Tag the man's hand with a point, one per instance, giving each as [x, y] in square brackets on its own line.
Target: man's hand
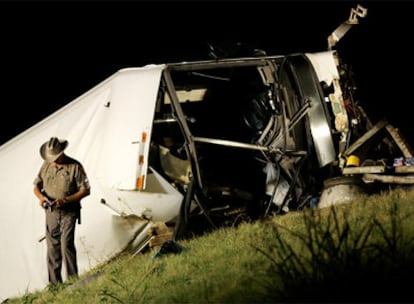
[59, 202]
[44, 199]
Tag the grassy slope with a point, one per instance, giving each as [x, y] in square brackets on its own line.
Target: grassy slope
[356, 252]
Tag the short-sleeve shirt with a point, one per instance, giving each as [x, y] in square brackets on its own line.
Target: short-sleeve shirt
[59, 182]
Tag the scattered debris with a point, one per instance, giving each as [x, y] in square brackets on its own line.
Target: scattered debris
[159, 233]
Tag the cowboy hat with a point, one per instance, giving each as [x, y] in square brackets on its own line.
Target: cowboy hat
[53, 148]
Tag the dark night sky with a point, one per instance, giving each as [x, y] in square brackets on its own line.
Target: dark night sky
[53, 51]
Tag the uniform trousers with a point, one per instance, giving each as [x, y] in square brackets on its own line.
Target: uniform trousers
[60, 237]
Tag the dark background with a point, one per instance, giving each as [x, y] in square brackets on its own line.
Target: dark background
[52, 52]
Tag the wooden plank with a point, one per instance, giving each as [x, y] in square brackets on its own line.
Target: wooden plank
[363, 170]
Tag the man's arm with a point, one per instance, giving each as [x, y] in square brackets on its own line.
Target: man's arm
[40, 196]
[77, 196]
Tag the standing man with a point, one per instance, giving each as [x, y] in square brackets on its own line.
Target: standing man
[60, 185]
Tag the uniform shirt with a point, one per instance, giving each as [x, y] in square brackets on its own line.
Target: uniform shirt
[60, 182]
